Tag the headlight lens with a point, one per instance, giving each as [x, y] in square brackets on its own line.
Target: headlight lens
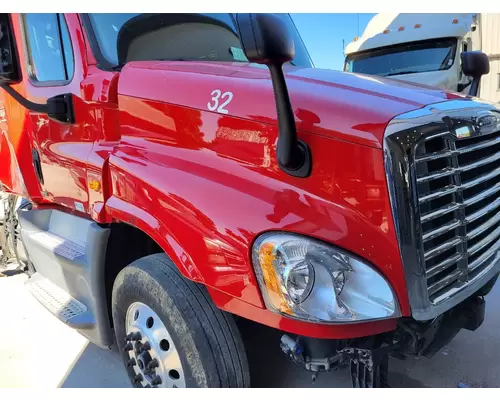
[309, 280]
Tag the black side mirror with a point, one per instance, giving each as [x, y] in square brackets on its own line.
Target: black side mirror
[9, 66]
[475, 64]
[59, 108]
[266, 40]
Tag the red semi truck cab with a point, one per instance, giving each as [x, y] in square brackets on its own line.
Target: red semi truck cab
[186, 172]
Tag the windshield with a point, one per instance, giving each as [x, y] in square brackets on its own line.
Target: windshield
[409, 58]
[185, 40]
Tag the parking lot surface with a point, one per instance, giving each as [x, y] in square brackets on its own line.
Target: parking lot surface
[39, 351]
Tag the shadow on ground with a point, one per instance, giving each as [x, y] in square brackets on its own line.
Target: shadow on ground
[471, 358]
[269, 367]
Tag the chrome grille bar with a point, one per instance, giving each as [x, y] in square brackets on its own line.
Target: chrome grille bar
[448, 153]
[484, 227]
[495, 235]
[443, 229]
[448, 206]
[436, 269]
[442, 248]
[481, 179]
[439, 193]
[439, 212]
[483, 211]
[443, 173]
[483, 195]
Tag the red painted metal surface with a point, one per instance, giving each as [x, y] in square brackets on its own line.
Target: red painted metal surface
[213, 186]
[63, 148]
[203, 184]
[266, 317]
[345, 106]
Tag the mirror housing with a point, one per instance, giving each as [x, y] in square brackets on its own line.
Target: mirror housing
[475, 64]
[266, 40]
[10, 71]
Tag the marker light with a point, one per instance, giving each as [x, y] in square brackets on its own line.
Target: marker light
[309, 280]
[401, 28]
[417, 26]
[455, 21]
[386, 31]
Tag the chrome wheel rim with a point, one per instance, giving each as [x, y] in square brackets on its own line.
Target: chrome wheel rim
[153, 357]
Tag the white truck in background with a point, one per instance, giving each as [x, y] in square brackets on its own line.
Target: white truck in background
[426, 48]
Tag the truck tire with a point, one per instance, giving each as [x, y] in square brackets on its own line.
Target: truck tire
[170, 333]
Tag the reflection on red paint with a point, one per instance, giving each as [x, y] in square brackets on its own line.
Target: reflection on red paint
[204, 185]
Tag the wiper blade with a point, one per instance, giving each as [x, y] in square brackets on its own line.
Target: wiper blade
[403, 73]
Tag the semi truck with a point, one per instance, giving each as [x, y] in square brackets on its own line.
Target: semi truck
[426, 48]
[185, 175]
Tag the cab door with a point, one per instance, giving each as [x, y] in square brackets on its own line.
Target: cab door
[54, 65]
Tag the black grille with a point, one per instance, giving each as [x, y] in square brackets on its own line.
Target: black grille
[458, 188]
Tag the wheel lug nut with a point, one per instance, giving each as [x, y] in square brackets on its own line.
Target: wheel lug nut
[128, 338]
[156, 380]
[153, 364]
[131, 362]
[136, 336]
[145, 347]
[128, 347]
[138, 378]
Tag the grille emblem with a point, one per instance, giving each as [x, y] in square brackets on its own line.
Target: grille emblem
[463, 132]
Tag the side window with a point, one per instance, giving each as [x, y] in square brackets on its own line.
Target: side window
[49, 47]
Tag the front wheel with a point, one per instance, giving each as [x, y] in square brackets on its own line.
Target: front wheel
[169, 331]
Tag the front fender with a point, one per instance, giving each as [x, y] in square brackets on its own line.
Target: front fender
[218, 265]
[120, 210]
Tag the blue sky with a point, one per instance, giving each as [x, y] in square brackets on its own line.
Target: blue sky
[323, 34]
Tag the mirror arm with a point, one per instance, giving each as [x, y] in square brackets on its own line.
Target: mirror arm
[474, 87]
[462, 86]
[294, 156]
[36, 107]
[59, 108]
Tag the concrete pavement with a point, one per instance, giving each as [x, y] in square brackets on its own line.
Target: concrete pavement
[39, 351]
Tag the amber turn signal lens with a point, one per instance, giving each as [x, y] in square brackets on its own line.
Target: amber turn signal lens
[267, 258]
[94, 185]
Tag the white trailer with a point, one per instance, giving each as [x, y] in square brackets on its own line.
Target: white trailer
[426, 48]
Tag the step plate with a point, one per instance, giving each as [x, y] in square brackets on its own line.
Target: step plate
[56, 300]
[63, 247]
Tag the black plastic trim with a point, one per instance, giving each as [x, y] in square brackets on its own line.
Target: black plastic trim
[305, 169]
[18, 76]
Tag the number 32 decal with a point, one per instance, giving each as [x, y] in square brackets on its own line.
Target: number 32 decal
[214, 104]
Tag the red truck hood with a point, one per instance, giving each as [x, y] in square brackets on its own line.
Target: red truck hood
[349, 107]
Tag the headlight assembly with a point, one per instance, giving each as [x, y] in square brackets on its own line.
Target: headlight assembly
[309, 280]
